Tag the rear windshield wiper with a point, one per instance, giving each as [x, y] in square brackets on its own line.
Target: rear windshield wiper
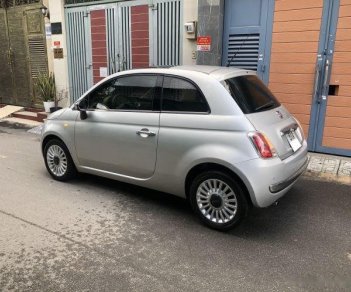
[265, 106]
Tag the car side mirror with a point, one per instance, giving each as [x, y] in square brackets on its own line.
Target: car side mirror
[83, 114]
[82, 107]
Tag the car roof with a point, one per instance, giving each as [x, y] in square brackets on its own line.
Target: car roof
[217, 72]
[207, 69]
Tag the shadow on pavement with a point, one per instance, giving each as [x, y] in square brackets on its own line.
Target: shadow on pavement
[266, 222]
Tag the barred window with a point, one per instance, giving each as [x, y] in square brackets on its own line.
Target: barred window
[11, 3]
[67, 2]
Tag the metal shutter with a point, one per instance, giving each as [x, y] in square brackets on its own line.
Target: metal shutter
[125, 57]
[77, 52]
[167, 33]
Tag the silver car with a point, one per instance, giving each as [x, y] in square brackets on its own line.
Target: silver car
[216, 136]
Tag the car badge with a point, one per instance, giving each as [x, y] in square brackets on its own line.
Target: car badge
[280, 115]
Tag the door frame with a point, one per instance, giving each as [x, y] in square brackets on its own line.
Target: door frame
[322, 79]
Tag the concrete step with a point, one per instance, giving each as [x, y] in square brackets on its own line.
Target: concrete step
[31, 115]
[42, 116]
[27, 115]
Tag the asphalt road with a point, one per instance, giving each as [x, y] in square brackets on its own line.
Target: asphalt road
[94, 234]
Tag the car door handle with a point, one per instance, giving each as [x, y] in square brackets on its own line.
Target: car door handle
[145, 133]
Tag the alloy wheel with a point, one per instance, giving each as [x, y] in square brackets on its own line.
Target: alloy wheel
[57, 160]
[216, 201]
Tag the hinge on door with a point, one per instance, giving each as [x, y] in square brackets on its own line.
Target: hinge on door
[86, 13]
[153, 6]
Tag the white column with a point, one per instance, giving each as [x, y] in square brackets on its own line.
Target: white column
[59, 66]
[190, 13]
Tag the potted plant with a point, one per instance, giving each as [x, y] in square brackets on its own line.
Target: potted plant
[46, 89]
[60, 95]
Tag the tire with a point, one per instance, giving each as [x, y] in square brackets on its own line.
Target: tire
[58, 161]
[218, 200]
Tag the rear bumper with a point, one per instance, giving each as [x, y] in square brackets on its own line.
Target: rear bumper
[275, 188]
[267, 180]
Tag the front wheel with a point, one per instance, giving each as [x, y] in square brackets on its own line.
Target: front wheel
[58, 161]
[218, 200]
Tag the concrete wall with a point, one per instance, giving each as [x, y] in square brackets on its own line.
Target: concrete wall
[58, 66]
[211, 15]
[48, 42]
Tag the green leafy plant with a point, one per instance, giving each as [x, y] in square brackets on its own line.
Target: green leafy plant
[46, 87]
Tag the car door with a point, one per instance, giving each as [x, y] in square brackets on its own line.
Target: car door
[120, 132]
[183, 125]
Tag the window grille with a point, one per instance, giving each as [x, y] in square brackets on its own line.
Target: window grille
[68, 2]
[11, 3]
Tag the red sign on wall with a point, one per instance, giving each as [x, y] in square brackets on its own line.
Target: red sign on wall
[57, 44]
[204, 43]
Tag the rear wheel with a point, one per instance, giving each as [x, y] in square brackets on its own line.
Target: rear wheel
[58, 161]
[218, 200]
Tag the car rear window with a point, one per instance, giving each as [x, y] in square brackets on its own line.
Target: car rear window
[251, 94]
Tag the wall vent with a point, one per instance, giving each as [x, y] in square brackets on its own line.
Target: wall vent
[245, 48]
[37, 56]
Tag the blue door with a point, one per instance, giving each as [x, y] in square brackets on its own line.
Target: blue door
[330, 116]
[247, 35]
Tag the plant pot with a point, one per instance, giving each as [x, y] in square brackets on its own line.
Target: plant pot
[55, 108]
[48, 105]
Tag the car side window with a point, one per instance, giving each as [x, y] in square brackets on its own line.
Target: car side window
[180, 95]
[125, 93]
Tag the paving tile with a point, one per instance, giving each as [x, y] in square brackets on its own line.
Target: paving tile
[331, 165]
[345, 168]
[315, 164]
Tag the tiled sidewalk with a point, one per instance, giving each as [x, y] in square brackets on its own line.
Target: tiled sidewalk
[329, 167]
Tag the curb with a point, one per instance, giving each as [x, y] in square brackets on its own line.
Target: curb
[329, 168]
[345, 180]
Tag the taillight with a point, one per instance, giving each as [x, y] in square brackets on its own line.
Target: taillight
[262, 145]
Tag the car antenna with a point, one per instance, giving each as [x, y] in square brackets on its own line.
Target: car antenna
[232, 58]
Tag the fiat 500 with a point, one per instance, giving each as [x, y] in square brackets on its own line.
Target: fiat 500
[216, 136]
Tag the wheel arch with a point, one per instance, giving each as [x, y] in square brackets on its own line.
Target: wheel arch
[48, 138]
[203, 167]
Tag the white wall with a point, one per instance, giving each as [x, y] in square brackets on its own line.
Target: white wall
[48, 42]
[59, 66]
[190, 13]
